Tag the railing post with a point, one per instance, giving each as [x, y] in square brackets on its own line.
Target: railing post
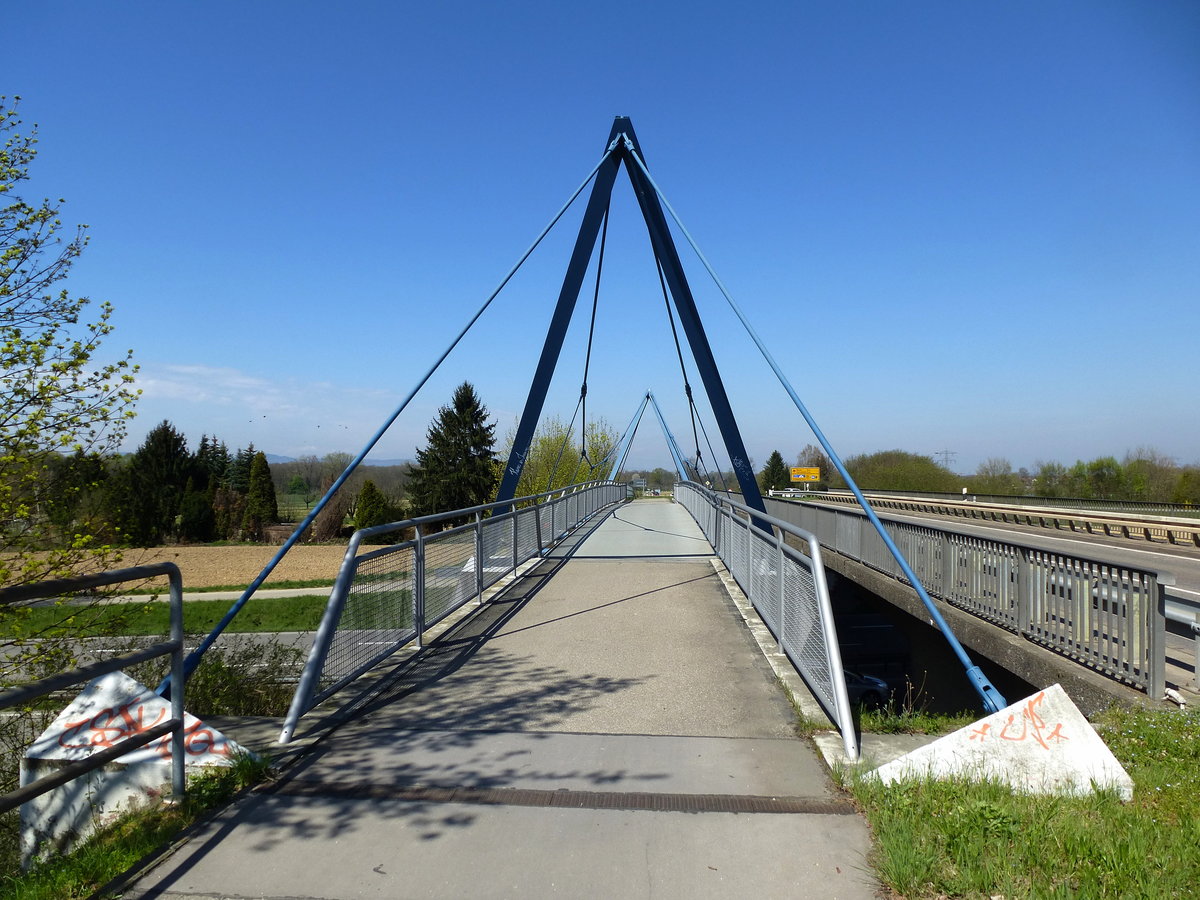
[537, 525]
[515, 539]
[1156, 628]
[178, 684]
[779, 580]
[479, 558]
[1025, 589]
[419, 587]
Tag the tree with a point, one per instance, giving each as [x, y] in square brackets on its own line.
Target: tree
[456, 469]
[158, 475]
[774, 475]
[1050, 480]
[261, 509]
[996, 476]
[555, 460]
[371, 507]
[813, 457]
[56, 396]
[896, 470]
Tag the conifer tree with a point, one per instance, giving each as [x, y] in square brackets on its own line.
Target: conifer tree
[456, 469]
[261, 508]
[775, 475]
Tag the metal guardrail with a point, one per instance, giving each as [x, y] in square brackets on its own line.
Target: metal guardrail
[1145, 507]
[173, 647]
[1161, 530]
[1108, 617]
[385, 598]
[787, 587]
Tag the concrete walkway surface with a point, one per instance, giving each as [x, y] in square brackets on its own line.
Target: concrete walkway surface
[606, 727]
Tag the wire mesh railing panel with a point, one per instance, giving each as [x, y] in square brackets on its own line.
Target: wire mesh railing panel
[449, 572]
[803, 637]
[527, 534]
[496, 539]
[379, 614]
[546, 523]
[764, 567]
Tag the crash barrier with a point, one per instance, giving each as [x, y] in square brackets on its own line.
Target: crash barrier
[1108, 617]
[786, 585]
[173, 647]
[385, 598]
[1158, 529]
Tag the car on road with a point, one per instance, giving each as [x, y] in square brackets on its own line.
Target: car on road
[866, 690]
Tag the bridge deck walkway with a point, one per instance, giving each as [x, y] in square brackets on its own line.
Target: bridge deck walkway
[604, 727]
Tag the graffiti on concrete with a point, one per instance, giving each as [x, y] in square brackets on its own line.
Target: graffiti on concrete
[1028, 726]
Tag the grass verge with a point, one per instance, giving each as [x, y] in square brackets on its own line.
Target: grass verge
[161, 591]
[981, 840]
[138, 618]
[117, 848]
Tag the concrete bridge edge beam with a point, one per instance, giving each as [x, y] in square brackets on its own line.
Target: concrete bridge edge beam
[1091, 691]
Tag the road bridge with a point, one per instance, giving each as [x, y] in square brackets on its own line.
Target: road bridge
[602, 725]
[1000, 546]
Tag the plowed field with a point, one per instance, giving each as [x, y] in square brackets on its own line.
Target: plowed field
[204, 566]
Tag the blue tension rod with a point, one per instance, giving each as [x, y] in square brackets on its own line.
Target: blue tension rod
[672, 445]
[193, 658]
[992, 699]
[627, 440]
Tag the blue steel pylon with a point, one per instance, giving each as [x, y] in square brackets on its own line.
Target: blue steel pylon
[622, 142]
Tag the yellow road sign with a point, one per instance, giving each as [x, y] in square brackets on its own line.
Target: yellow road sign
[803, 474]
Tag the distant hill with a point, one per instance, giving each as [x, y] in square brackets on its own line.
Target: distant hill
[276, 458]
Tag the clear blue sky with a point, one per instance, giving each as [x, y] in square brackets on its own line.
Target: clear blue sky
[963, 226]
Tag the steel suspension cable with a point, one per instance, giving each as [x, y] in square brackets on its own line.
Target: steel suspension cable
[193, 658]
[587, 362]
[563, 446]
[687, 387]
[992, 699]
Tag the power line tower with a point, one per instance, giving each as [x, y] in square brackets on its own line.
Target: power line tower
[946, 457]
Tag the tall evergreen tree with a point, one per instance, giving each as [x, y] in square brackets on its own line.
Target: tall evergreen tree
[775, 475]
[158, 474]
[456, 469]
[261, 508]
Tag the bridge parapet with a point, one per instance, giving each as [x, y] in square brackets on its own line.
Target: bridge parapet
[1108, 617]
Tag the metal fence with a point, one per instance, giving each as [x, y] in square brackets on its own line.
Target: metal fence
[173, 647]
[1106, 616]
[787, 587]
[385, 598]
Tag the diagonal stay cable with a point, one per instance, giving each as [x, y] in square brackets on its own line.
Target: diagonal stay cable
[993, 701]
[687, 387]
[194, 657]
[587, 362]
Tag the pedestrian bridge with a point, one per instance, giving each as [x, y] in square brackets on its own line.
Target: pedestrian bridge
[602, 724]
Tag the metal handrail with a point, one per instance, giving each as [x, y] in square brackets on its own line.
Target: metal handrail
[516, 510]
[832, 695]
[174, 647]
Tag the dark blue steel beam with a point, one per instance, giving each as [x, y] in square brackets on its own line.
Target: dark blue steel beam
[689, 318]
[576, 270]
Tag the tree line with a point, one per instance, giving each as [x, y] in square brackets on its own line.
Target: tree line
[1143, 475]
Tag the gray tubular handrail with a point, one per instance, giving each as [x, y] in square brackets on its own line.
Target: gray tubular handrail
[173, 647]
[578, 503]
[766, 585]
